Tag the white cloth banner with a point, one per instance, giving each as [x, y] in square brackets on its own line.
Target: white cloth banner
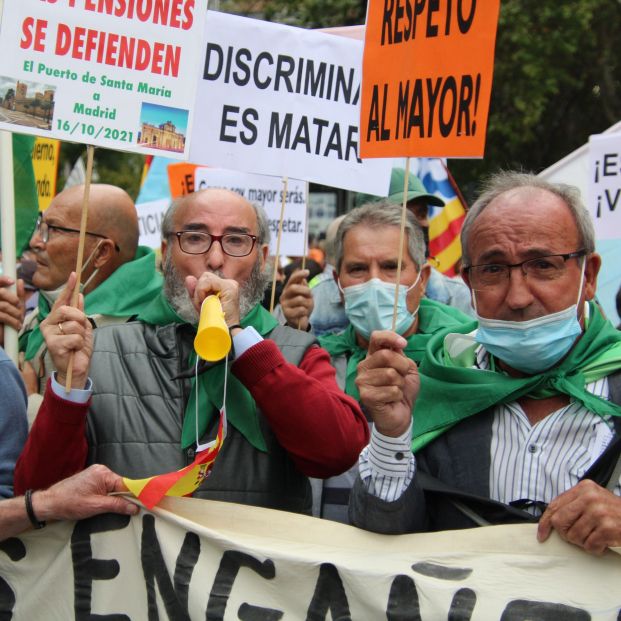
[196, 559]
[282, 101]
[268, 192]
[120, 75]
[605, 185]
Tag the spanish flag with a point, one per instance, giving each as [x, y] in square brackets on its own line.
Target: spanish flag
[181, 482]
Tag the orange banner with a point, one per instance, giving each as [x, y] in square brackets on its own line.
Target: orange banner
[427, 77]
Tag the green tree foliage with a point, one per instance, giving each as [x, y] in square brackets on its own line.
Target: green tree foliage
[114, 167]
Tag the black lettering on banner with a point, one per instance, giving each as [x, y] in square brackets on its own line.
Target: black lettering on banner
[442, 572]
[174, 595]
[248, 116]
[446, 126]
[243, 78]
[248, 612]
[262, 84]
[374, 117]
[612, 202]
[465, 21]
[611, 165]
[16, 551]
[280, 133]
[523, 610]
[86, 569]
[329, 595]
[227, 122]
[462, 605]
[214, 73]
[403, 602]
[230, 564]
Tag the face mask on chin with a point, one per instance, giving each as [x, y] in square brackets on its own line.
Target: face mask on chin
[369, 306]
[535, 345]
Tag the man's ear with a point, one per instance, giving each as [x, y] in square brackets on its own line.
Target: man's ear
[164, 249]
[425, 273]
[263, 254]
[591, 270]
[104, 253]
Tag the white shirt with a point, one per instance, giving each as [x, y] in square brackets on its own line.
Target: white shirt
[534, 462]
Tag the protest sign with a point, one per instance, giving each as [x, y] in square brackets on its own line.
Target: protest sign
[45, 166]
[605, 185]
[110, 74]
[198, 559]
[268, 192]
[282, 101]
[427, 77]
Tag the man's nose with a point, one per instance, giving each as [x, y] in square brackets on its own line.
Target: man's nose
[214, 257]
[518, 293]
[36, 242]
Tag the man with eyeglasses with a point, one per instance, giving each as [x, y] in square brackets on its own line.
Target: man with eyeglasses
[287, 418]
[518, 418]
[119, 277]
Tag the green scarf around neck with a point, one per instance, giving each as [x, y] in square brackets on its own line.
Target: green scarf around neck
[126, 292]
[241, 410]
[451, 390]
[432, 317]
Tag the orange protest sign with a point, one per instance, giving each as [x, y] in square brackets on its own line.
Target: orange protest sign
[427, 77]
[181, 179]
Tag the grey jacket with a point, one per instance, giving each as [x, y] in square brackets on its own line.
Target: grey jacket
[136, 417]
[460, 459]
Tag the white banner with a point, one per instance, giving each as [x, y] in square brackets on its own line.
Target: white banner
[605, 185]
[120, 75]
[268, 192]
[197, 559]
[283, 101]
[150, 216]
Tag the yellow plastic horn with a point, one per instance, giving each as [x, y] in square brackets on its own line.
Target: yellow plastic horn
[212, 341]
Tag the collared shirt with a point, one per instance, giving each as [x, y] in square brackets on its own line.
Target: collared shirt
[527, 462]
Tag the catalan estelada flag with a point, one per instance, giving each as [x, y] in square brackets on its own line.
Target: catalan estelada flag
[445, 222]
[181, 482]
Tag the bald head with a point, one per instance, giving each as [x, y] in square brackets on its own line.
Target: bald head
[111, 212]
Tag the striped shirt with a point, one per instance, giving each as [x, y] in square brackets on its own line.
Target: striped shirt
[527, 462]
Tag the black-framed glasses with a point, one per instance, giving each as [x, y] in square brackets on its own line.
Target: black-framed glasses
[233, 244]
[546, 268]
[43, 229]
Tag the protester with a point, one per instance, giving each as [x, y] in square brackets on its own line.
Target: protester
[81, 496]
[441, 288]
[13, 422]
[287, 418]
[119, 276]
[366, 257]
[518, 419]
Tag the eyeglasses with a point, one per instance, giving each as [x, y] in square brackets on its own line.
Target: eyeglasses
[43, 229]
[546, 268]
[233, 244]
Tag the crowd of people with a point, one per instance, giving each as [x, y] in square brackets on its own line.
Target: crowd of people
[442, 403]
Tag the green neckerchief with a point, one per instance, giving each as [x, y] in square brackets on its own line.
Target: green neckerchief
[124, 293]
[432, 317]
[241, 410]
[451, 390]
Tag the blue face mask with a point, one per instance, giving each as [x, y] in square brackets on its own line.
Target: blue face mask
[535, 345]
[369, 306]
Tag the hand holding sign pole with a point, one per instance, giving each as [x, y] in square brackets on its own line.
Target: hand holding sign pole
[90, 153]
[277, 257]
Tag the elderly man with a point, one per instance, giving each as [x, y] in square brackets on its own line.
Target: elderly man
[366, 256]
[119, 276]
[287, 418]
[518, 419]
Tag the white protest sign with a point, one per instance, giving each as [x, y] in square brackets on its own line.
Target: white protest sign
[605, 185]
[283, 101]
[268, 192]
[200, 559]
[150, 216]
[120, 75]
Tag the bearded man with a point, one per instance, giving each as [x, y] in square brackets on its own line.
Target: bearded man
[287, 418]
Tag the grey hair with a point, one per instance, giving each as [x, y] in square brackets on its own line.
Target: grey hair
[505, 181]
[383, 213]
[263, 228]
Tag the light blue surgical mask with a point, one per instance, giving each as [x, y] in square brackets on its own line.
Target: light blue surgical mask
[535, 345]
[369, 306]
